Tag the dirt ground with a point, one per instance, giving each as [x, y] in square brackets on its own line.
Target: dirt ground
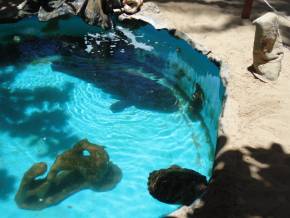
[252, 172]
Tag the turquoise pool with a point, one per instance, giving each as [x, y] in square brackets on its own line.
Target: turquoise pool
[126, 89]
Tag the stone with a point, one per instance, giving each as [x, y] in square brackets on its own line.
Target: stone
[94, 14]
[147, 13]
[29, 7]
[268, 48]
[78, 5]
[176, 185]
[132, 6]
[64, 9]
[85, 166]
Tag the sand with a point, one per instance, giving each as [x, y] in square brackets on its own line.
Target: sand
[252, 173]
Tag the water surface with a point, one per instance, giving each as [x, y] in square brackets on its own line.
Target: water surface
[121, 89]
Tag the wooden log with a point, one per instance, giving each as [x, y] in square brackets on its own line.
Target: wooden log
[247, 9]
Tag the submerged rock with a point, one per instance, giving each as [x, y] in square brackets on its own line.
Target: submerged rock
[196, 101]
[84, 166]
[176, 185]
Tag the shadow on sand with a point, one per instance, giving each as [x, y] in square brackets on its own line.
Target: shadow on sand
[228, 10]
[251, 182]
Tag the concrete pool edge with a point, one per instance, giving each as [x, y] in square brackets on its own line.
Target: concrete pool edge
[151, 14]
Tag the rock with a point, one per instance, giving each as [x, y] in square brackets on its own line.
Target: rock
[84, 166]
[149, 13]
[94, 14]
[78, 5]
[92, 11]
[152, 7]
[132, 6]
[64, 9]
[110, 6]
[176, 185]
[268, 48]
[29, 7]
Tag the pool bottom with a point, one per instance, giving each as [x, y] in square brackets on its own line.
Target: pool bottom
[47, 111]
[117, 89]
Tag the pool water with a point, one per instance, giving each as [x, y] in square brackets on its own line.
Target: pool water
[64, 81]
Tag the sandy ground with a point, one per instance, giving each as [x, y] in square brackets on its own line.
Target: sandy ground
[252, 172]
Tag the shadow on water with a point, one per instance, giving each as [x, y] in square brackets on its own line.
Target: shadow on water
[112, 73]
[249, 182]
[7, 184]
[23, 49]
[106, 67]
[129, 89]
[36, 114]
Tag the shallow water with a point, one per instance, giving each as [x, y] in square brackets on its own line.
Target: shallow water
[116, 89]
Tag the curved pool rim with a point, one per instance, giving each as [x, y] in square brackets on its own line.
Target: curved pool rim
[159, 24]
[217, 61]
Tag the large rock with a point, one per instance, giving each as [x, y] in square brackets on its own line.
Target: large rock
[28, 7]
[176, 185]
[91, 11]
[94, 14]
[58, 11]
[84, 166]
[268, 47]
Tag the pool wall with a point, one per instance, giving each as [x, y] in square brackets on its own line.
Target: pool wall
[213, 76]
[151, 15]
[193, 64]
[205, 72]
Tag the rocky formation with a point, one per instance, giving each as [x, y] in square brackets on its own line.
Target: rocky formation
[84, 166]
[268, 47]
[94, 12]
[176, 185]
[132, 6]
